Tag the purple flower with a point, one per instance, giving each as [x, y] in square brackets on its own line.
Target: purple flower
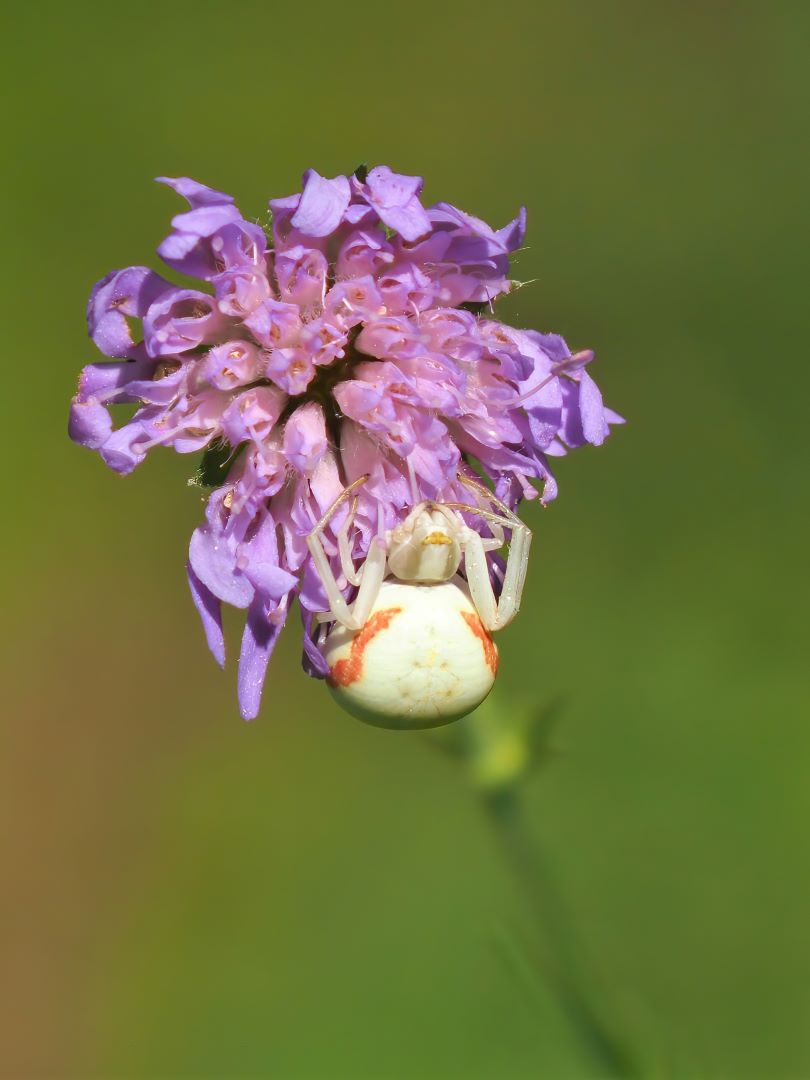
[335, 349]
[396, 200]
[180, 320]
[322, 204]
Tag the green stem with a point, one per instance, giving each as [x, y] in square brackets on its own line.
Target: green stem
[563, 963]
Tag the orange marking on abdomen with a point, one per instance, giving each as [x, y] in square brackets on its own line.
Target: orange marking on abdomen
[478, 628]
[345, 672]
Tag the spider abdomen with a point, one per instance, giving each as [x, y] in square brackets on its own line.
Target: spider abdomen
[423, 657]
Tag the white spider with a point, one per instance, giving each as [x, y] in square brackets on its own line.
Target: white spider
[413, 649]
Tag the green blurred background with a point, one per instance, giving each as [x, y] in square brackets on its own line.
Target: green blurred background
[186, 895]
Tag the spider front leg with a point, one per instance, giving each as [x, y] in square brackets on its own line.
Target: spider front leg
[517, 562]
[344, 547]
[370, 577]
[494, 613]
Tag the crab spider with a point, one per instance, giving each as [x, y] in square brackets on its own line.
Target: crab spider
[414, 649]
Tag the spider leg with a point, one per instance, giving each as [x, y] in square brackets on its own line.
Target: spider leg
[518, 560]
[491, 543]
[342, 497]
[490, 497]
[346, 564]
[338, 607]
[484, 498]
[369, 579]
[481, 591]
[517, 563]
[495, 614]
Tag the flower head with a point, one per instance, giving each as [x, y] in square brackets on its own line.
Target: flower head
[354, 339]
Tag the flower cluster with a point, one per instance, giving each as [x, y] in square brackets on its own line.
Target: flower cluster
[352, 339]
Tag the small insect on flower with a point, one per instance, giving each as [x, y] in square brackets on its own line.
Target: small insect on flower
[414, 650]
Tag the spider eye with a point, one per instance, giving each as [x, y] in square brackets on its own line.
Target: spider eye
[437, 538]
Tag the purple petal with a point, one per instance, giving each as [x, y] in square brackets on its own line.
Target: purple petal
[325, 483]
[89, 424]
[323, 204]
[552, 345]
[549, 487]
[108, 376]
[210, 612]
[389, 189]
[232, 364]
[206, 220]
[121, 451]
[409, 221]
[365, 251]
[197, 194]
[301, 273]
[258, 641]
[592, 412]
[214, 562]
[275, 325]
[312, 660]
[305, 440]
[252, 414]
[396, 200]
[290, 369]
[122, 293]
[312, 595]
[182, 319]
[208, 239]
[284, 205]
[260, 556]
[513, 234]
[241, 290]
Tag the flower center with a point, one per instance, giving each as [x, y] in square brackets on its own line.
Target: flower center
[321, 388]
